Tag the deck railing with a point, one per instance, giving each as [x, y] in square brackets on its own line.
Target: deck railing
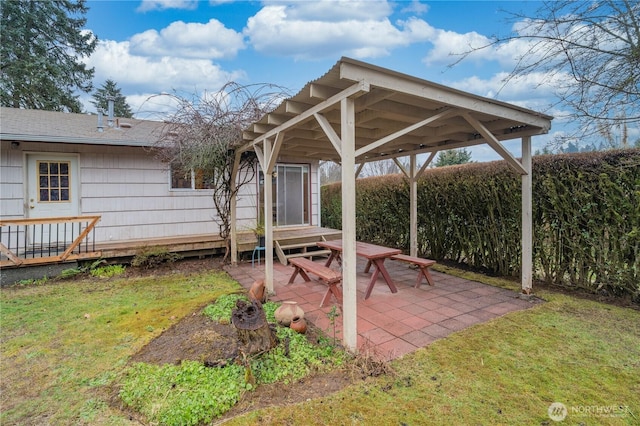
[47, 240]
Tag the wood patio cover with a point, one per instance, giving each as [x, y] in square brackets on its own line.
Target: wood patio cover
[357, 113]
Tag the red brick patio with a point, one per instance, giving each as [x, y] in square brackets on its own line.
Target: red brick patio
[393, 325]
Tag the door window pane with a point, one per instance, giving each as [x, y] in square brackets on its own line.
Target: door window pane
[53, 181]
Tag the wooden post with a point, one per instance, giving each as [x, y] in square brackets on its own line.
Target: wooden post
[268, 216]
[233, 236]
[349, 312]
[413, 204]
[527, 217]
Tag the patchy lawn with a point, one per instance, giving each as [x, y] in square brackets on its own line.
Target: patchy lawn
[580, 353]
[65, 346]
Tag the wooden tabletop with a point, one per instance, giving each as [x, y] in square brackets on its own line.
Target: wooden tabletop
[366, 250]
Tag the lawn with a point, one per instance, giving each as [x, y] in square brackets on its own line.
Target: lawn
[64, 344]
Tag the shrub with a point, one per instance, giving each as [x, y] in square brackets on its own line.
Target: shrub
[586, 217]
[107, 271]
[150, 257]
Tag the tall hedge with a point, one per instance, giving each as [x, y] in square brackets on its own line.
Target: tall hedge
[586, 214]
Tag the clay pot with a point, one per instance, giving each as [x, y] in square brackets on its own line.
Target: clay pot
[287, 311]
[299, 324]
[257, 291]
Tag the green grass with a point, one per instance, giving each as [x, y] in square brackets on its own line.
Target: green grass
[64, 345]
[508, 371]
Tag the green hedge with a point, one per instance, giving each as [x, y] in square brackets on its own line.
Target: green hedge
[586, 214]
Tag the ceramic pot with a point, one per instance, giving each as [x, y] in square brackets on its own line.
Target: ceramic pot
[299, 324]
[257, 291]
[287, 311]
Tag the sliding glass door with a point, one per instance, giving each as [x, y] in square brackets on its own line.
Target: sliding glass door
[290, 186]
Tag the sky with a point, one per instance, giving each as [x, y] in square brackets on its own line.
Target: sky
[189, 47]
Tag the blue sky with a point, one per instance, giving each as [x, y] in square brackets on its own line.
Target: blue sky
[153, 46]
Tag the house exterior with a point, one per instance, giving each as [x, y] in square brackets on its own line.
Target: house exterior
[55, 164]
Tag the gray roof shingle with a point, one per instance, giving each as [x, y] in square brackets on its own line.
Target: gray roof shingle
[51, 126]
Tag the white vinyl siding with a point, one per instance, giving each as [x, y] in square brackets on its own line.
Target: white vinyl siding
[130, 189]
[11, 187]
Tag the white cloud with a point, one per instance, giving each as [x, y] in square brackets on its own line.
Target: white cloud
[534, 91]
[341, 10]
[137, 75]
[193, 40]
[449, 45]
[416, 7]
[295, 31]
[151, 106]
[148, 5]
[177, 58]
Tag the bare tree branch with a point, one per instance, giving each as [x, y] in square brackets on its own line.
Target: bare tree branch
[589, 51]
[203, 134]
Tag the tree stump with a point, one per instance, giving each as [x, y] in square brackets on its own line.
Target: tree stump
[253, 329]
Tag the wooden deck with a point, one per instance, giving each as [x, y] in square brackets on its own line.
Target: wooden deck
[191, 245]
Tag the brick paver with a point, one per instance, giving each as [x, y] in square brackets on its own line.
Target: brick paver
[393, 325]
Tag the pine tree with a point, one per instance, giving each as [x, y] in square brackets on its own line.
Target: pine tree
[102, 95]
[453, 156]
[41, 47]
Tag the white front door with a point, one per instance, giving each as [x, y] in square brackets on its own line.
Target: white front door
[53, 190]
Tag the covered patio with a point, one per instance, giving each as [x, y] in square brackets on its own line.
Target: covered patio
[358, 113]
[392, 325]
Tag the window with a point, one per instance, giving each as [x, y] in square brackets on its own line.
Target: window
[190, 179]
[53, 181]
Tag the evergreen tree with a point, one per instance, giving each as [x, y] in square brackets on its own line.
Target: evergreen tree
[102, 95]
[41, 44]
[453, 156]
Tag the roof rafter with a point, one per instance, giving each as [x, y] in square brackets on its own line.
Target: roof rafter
[355, 89]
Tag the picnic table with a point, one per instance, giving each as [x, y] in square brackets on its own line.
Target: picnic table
[375, 256]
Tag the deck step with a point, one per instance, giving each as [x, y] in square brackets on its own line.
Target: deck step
[309, 254]
[299, 245]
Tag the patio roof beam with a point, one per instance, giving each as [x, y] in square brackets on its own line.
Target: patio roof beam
[372, 98]
[293, 107]
[495, 144]
[426, 163]
[273, 157]
[321, 92]
[328, 130]
[260, 156]
[443, 114]
[425, 150]
[276, 119]
[355, 89]
[443, 95]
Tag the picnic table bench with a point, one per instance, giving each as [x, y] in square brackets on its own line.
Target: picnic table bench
[375, 256]
[331, 278]
[421, 263]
